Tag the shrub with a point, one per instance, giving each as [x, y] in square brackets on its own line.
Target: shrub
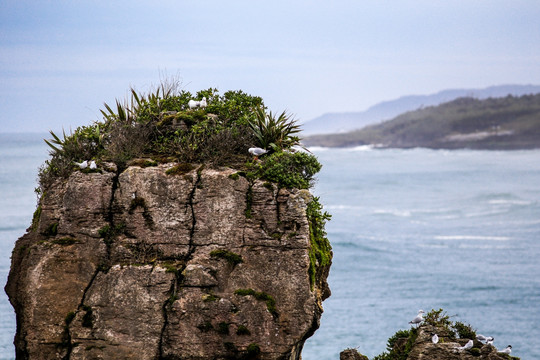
[288, 169]
[399, 345]
[464, 331]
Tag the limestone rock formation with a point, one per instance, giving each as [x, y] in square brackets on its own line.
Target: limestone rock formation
[148, 264]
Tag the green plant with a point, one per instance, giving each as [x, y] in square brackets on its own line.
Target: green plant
[232, 258]
[288, 169]
[180, 169]
[253, 350]
[320, 253]
[205, 326]
[275, 133]
[108, 233]
[242, 330]
[223, 328]
[69, 318]
[464, 331]
[87, 319]
[210, 297]
[170, 268]
[440, 319]
[262, 296]
[51, 230]
[35, 218]
[399, 345]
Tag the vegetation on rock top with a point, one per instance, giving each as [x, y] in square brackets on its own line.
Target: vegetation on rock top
[402, 342]
[160, 127]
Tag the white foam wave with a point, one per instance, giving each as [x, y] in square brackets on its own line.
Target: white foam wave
[433, 246]
[509, 202]
[342, 207]
[318, 148]
[363, 148]
[483, 247]
[472, 237]
[395, 212]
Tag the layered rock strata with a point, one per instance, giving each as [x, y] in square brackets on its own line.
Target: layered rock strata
[152, 263]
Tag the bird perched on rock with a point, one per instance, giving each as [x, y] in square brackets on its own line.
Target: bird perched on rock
[256, 151]
[82, 165]
[435, 338]
[418, 319]
[467, 346]
[489, 340]
[93, 165]
[481, 337]
[508, 350]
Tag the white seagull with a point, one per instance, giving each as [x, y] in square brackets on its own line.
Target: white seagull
[418, 319]
[467, 346]
[82, 165]
[489, 340]
[93, 165]
[481, 337]
[435, 338]
[256, 151]
[508, 350]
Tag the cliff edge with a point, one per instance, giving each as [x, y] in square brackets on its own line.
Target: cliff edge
[149, 263]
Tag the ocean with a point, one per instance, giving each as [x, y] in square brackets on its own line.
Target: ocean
[410, 229]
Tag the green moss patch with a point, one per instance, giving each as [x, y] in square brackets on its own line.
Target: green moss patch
[205, 326]
[87, 319]
[223, 328]
[232, 258]
[242, 330]
[180, 169]
[35, 218]
[262, 296]
[51, 230]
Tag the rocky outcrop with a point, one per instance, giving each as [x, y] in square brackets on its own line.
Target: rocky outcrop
[421, 347]
[446, 349]
[351, 354]
[165, 262]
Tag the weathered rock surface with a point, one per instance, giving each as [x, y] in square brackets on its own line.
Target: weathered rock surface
[145, 265]
[446, 349]
[351, 354]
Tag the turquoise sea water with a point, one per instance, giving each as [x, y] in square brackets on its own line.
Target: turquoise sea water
[411, 229]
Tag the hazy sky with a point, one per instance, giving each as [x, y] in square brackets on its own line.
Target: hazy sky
[61, 59]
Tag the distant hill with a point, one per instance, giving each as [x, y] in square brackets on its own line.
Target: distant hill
[342, 122]
[495, 123]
